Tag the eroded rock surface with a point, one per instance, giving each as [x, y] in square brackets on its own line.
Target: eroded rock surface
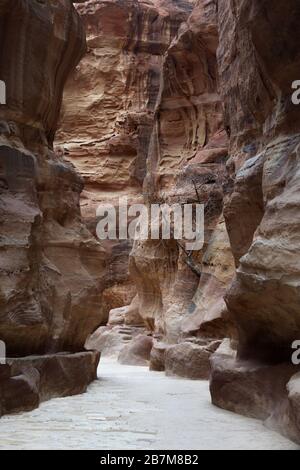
[110, 340]
[149, 128]
[108, 112]
[51, 265]
[178, 85]
[190, 359]
[30, 380]
[258, 62]
[137, 352]
[181, 296]
[158, 356]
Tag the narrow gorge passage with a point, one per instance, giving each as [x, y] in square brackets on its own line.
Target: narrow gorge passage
[149, 225]
[133, 408]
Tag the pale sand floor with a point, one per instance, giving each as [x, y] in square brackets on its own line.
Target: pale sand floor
[132, 408]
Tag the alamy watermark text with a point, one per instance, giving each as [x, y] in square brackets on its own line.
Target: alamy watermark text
[155, 222]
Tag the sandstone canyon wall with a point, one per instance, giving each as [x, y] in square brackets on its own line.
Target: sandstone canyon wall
[51, 265]
[142, 118]
[258, 61]
[108, 113]
[250, 197]
[173, 102]
[186, 164]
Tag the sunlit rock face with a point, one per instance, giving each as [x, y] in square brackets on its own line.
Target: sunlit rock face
[109, 102]
[108, 113]
[258, 62]
[50, 264]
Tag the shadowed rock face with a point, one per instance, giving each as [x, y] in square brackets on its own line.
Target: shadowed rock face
[264, 131]
[50, 265]
[26, 382]
[34, 70]
[258, 62]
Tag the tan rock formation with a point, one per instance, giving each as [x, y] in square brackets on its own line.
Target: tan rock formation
[152, 128]
[137, 352]
[51, 265]
[158, 356]
[267, 273]
[190, 360]
[257, 390]
[112, 96]
[109, 106]
[258, 62]
[110, 340]
[26, 382]
[186, 161]
[149, 120]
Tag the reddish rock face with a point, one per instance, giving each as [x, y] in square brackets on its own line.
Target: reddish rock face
[50, 263]
[108, 113]
[263, 126]
[110, 101]
[35, 72]
[149, 127]
[149, 114]
[258, 60]
[187, 155]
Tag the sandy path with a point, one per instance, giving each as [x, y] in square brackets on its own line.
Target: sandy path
[132, 408]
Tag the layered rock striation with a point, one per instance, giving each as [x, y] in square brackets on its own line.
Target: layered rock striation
[51, 265]
[181, 294]
[149, 128]
[258, 62]
[108, 114]
[188, 102]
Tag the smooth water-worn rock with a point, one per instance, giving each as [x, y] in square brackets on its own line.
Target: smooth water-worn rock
[158, 356]
[149, 128]
[28, 381]
[180, 294]
[110, 340]
[256, 390]
[137, 352]
[190, 360]
[50, 263]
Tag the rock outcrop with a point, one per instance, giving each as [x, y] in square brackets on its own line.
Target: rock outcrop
[181, 295]
[258, 62]
[112, 98]
[28, 381]
[190, 359]
[179, 84]
[50, 264]
[149, 128]
[137, 352]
